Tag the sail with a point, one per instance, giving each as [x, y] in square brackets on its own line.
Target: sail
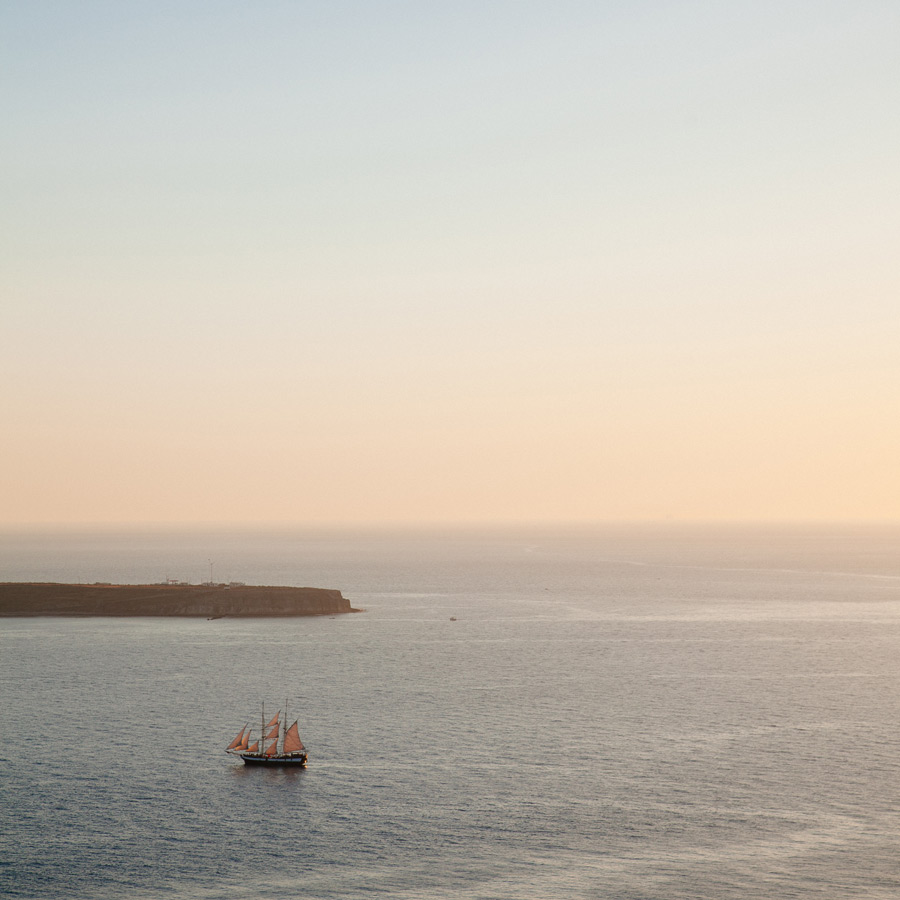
[237, 741]
[272, 734]
[246, 740]
[272, 749]
[274, 719]
[254, 747]
[292, 742]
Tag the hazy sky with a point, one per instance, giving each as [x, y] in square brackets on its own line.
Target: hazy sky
[397, 262]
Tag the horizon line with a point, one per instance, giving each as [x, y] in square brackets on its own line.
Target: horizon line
[438, 525]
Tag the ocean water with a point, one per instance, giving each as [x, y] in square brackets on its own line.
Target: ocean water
[614, 713]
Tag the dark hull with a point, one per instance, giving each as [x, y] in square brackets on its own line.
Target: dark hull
[254, 760]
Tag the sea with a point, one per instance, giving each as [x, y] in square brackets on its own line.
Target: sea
[612, 712]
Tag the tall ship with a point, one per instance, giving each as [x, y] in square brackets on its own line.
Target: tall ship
[285, 749]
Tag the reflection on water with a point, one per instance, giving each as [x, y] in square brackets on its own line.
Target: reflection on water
[270, 774]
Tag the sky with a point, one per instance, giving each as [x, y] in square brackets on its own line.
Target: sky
[397, 263]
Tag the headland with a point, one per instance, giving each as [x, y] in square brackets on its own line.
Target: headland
[207, 600]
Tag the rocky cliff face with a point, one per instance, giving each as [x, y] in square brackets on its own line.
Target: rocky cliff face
[24, 599]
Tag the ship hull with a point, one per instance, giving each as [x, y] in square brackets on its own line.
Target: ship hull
[253, 760]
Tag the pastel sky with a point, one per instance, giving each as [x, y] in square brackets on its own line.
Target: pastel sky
[432, 262]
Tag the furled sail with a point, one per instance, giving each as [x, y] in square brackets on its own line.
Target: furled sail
[272, 749]
[274, 719]
[237, 741]
[292, 742]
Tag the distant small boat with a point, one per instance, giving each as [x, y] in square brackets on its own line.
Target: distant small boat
[291, 752]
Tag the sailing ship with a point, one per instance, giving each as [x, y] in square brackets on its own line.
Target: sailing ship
[285, 749]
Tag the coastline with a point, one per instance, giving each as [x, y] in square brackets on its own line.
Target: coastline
[23, 599]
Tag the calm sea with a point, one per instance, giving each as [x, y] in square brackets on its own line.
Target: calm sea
[614, 713]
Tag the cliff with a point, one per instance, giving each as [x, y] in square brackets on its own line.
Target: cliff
[34, 599]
